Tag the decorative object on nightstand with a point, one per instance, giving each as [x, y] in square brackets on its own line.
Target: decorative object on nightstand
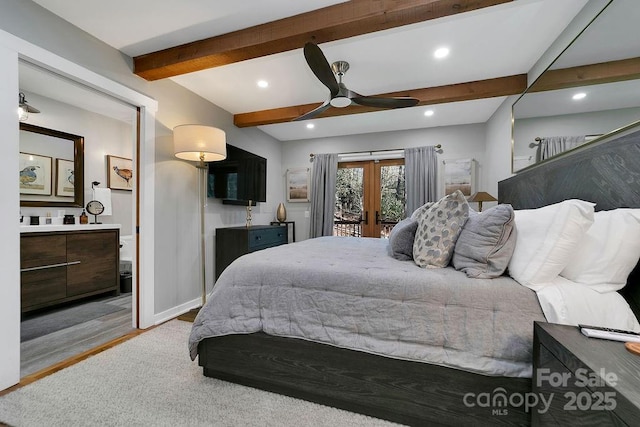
[281, 213]
[201, 144]
[481, 196]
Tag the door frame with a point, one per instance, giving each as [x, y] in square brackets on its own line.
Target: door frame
[13, 49]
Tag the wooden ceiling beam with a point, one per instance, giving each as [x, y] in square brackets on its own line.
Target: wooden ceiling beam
[343, 20]
[501, 86]
[586, 75]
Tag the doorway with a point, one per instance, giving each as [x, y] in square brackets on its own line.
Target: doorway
[370, 197]
[109, 128]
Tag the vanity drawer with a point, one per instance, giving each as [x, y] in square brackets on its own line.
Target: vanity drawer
[39, 288]
[42, 251]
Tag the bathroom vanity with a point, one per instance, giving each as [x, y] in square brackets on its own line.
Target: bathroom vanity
[62, 263]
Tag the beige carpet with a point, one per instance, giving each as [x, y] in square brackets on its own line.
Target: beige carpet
[150, 381]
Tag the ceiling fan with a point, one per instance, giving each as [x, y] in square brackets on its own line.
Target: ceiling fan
[340, 96]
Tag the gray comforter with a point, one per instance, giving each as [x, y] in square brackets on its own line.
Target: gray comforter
[350, 293]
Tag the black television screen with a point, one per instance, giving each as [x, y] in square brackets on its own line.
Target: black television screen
[241, 177]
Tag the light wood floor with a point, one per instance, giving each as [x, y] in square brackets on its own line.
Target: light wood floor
[48, 350]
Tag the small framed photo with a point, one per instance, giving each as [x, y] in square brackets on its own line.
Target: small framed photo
[65, 178]
[298, 185]
[120, 174]
[35, 174]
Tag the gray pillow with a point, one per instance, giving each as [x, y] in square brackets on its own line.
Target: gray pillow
[486, 243]
[438, 229]
[401, 239]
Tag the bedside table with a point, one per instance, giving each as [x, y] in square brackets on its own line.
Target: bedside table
[233, 242]
[585, 381]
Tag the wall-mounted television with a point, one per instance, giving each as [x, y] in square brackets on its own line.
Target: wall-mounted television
[241, 177]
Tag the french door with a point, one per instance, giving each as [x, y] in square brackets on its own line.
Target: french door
[370, 197]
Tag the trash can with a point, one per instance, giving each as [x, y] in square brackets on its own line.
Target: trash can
[125, 283]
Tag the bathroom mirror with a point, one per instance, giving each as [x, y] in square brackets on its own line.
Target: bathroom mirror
[51, 167]
[589, 92]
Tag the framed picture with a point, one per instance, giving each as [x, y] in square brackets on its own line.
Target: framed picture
[298, 185]
[459, 175]
[35, 174]
[65, 178]
[120, 174]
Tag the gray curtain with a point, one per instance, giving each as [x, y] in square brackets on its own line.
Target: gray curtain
[323, 194]
[554, 145]
[421, 172]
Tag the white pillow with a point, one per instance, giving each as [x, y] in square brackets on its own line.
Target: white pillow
[546, 239]
[570, 303]
[608, 252]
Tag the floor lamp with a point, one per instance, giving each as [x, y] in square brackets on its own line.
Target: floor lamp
[201, 144]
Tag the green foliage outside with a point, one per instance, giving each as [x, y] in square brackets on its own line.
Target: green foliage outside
[349, 197]
[392, 192]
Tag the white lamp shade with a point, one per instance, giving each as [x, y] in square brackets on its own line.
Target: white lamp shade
[190, 142]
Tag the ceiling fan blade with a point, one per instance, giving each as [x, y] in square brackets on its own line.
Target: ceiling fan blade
[372, 101]
[320, 67]
[313, 112]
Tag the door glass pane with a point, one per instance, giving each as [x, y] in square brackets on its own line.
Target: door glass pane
[349, 202]
[392, 197]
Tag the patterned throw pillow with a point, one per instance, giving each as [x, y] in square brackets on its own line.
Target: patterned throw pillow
[421, 211]
[438, 231]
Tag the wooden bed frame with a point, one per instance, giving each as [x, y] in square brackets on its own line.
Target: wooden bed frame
[417, 393]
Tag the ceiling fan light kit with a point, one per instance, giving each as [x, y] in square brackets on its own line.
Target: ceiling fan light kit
[339, 95]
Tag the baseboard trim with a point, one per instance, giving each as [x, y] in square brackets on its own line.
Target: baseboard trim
[176, 311]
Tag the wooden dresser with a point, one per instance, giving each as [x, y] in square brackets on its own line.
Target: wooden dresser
[61, 266]
[587, 381]
[233, 242]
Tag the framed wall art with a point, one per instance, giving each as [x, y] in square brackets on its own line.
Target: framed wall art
[298, 185]
[120, 174]
[35, 174]
[65, 178]
[459, 174]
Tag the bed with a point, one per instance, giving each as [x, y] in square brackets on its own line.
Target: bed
[360, 365]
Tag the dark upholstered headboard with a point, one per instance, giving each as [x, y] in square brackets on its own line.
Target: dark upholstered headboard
[607, 174]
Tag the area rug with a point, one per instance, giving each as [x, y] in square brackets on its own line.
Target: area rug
[47, 323]
[150, 381]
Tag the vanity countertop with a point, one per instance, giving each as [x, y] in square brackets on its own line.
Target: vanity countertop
[68, 227]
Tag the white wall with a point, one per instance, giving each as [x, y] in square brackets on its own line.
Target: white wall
[102, 136]
[9, 225]
[498, 147]
[458, 142]
[175, 288]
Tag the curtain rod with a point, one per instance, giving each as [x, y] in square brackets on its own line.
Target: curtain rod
[371, 153]
[537, 138]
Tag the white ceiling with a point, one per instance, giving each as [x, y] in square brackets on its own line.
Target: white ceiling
[492, 42]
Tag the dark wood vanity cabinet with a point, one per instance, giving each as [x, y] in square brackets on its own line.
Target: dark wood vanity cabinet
[64, 266]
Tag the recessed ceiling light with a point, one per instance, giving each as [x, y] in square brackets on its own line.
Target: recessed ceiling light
[310, 125]
[428, 113]
[580, 95]
[441, 52]
[263, 83]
